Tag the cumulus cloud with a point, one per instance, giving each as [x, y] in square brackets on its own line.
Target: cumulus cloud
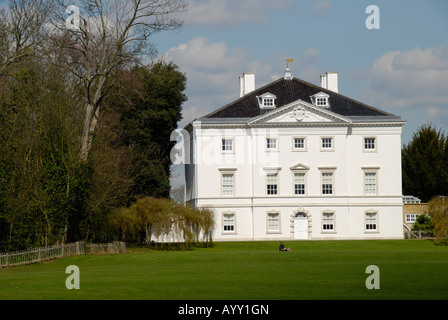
[208, 65]
[201, 54]
[233, 12]
[407, 79]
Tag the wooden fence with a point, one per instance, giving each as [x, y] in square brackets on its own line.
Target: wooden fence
[58, 251]
[418, 235]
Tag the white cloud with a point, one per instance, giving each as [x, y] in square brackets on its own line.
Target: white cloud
[406, 79]
[201, 54]
[213, 70]
[233, 12]
[428, 59]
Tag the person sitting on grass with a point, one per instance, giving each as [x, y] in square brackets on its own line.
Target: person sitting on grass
[282, 248]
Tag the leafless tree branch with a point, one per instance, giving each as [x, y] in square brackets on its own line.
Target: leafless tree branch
[109, 34]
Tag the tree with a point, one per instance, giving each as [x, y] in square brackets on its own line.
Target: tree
[21, 30]
[423, 223]
[438, 211]
[41, 175]
[107, 35]
[110, 175]
[62, 171]
[425, 163]
[150, 217]
[150, 101]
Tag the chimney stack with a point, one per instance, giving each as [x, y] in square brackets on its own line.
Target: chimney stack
[247, 83]
[329, 81]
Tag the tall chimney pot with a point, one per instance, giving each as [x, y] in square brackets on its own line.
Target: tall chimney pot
[329, 81]
[247, 83]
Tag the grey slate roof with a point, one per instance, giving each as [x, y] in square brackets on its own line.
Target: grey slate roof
[290, 90]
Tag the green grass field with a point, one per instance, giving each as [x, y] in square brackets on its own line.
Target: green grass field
[409, 269]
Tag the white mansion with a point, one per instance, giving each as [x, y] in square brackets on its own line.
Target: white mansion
[292, 160]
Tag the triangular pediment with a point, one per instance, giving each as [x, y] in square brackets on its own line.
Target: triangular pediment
[299, 166]
[299, 112]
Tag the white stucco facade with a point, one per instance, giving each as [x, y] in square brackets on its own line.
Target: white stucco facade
[297, 171]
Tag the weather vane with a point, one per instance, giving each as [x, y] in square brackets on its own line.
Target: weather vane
[288, 75]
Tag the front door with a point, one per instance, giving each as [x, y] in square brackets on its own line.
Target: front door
[301, 227]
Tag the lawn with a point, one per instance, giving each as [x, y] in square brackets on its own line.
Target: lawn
[409, 269]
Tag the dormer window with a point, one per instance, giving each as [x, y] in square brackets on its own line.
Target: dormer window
[267, 101]
[320, 99]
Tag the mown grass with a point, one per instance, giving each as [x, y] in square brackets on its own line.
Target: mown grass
[409, 269]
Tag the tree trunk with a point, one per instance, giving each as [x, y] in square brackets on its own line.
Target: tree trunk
[90, 122]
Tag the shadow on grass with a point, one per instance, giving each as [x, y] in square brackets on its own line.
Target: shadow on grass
[440, 242]
[170, 246]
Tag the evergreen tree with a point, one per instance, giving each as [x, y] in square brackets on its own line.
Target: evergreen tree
[425, 164]
[150, 101]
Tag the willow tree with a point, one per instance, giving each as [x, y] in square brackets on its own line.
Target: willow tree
[154, 218]
[438, 211]
[93, 38]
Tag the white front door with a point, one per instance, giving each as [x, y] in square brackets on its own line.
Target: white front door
[301, 228]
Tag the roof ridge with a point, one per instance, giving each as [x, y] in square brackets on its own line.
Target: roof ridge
[345, 97]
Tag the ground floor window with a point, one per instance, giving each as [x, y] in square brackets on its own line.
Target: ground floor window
[328, 221]
[273, 220]
[371, 220]
[228, 222]
[411, 217]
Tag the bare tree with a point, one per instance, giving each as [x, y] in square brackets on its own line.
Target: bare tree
[178, 194]
[21, 25]
[100, 36]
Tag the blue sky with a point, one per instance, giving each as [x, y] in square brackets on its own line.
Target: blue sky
[401, 68]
